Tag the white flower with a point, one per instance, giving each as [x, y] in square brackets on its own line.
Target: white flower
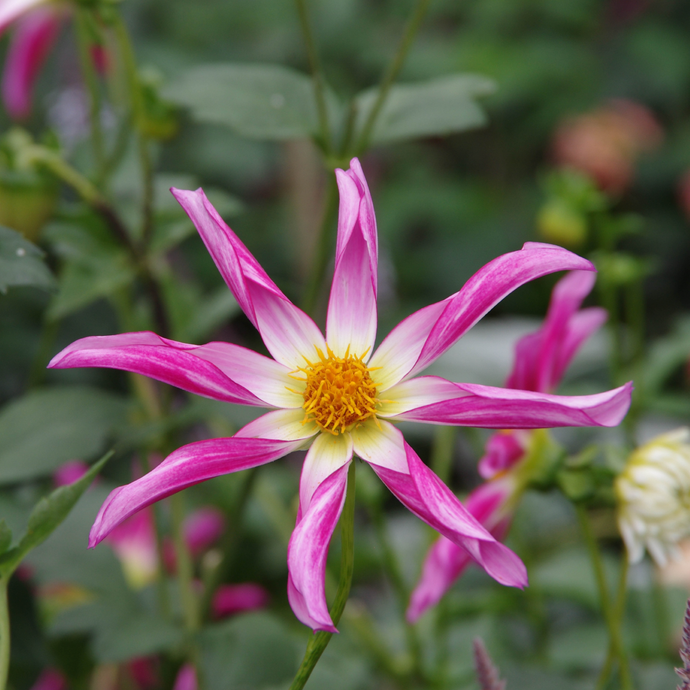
[653, 495]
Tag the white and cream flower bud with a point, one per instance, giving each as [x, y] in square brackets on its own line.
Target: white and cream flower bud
[653, 493]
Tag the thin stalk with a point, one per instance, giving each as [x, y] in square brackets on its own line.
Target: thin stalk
[319, 641]
[323, 248]
[442, 451]
[317, 78]
[391, 73]
[91, 81]
[609, 612]
[185, 572]
[4, 633]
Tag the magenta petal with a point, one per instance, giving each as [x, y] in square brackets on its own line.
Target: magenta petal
[32, 39]
[202, 529]
[427, 334]
[351, 324]
[161, 359]
[185, 467]
[468, 404]
[423, 493]
[231, 599]
[288, 333]
[308, 549]
[186, 678]
[11, 10]
[503, 450]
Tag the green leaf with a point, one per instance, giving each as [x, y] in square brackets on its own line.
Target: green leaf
[5, 536]
[46, 428]
[248, 652]
[438, 107]
[266, 102]
[47, 515]
[21, 263]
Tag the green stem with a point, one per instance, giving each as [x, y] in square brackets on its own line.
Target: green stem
[618, 612]
[4, 633]
[319, 641]
[612, 623]
[391, 73]
[323, 248]
[442, 451]
[91, 81]
[185, 572]
[319, 90]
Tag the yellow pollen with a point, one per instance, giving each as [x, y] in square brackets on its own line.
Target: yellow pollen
[339, 392]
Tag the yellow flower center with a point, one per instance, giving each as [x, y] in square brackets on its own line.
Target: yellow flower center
[339, 392]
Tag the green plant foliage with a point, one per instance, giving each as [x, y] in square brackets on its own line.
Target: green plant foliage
[21, 263]
[46, 428]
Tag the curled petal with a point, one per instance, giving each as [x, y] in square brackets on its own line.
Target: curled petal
[308, 549]
[185, 467]
[424, 494]
[436, 401]
[218, 370]
[351, 324]
[427, 334]
[288, 333]
[32, 39]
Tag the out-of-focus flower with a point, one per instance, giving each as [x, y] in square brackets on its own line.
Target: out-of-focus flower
[70, 472]
[186, 678]
[604, 143]
[541, 359]
[231, 599]
[144, 672]
[653, 494]
[134, 543]
[334, 396]
[201, 529]
[50, 679]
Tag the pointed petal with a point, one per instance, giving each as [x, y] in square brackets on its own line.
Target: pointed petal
[427, 334]
[279, 425]
[351, 323]
[10, 10]
[423, 493]
[380, 443]
[436, 401]
[288, 333]
[32, 39]
[308, 549]
[185, 467]
[219, 370]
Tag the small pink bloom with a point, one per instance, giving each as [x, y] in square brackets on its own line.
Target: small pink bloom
[144, 672]
[70, 472]
[541, 359]
[186, 678]
[231, 599]
[50, 679]
[201, 530]
[134, 543]
[335, 395]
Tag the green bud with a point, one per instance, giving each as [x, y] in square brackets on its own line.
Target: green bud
[560, 223]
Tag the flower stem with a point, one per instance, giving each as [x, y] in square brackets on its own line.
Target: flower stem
[314, 64]
[610, 613]
[319, 641]
[391, 73]
[4, 633]
[183, 560]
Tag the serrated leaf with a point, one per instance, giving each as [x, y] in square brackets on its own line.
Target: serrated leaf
[46, 428]
[268, 102]
[21, 263]
[438, 107]
[47, 515]
[5, 536]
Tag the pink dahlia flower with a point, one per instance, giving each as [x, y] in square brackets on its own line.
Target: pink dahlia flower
[36, 27]
[336, 396]
[541, 359]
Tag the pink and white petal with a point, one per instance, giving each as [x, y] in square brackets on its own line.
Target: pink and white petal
[280, 425]
[267, 379]
[10, 10]
[416, 393]
[380, 443]
[289, 334]
[32, 39]
[308, 550]
[185, 467]
[503, 408]
[351, 322]
[427, 334]
[327, 454]
[158, 358]
[424, 494]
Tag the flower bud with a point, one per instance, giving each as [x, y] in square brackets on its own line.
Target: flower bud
[653, 494]
[560, 223]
